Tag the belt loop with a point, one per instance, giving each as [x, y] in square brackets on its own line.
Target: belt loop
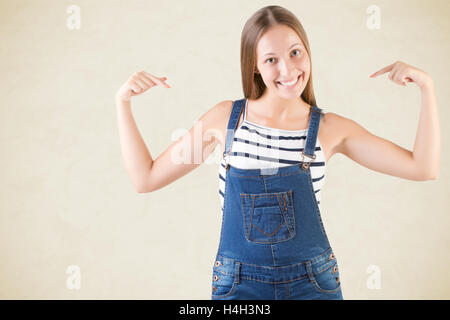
[237, 271]
[309, 270]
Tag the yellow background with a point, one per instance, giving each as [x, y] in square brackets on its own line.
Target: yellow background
[67, 199]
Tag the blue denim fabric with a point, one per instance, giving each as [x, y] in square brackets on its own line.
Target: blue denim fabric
[273, 243]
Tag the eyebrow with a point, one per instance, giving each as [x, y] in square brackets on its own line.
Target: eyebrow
[289, 48]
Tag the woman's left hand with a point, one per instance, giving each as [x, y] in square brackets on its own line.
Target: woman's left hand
[401, 73]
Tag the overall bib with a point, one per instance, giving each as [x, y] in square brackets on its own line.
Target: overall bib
[273, 243]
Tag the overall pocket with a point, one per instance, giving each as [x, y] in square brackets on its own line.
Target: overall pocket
[223, 281]
[268, 217]
[326, 275]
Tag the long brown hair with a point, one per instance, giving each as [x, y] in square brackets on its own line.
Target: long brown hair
[254, 28]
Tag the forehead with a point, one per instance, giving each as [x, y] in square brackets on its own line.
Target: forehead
[276, 38]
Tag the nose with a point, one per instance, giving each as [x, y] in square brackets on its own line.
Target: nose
[287, 69]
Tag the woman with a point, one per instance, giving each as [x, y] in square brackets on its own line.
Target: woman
[276, 143]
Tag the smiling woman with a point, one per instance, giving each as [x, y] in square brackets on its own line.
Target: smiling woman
[275, 53]
[273, 243]
[276, 143]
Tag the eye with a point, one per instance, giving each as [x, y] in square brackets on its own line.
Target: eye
[292, 51]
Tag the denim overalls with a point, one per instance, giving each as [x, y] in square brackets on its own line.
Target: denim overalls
[273, 243]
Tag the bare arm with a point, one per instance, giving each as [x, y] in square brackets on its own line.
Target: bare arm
[427, 148]
[189, 151]
[376, 153]
[135, 154]
[181, 157]
[384, 156]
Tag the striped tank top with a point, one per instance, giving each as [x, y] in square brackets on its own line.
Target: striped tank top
[275, 148]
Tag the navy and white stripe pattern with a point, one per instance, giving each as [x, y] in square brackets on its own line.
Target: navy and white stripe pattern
[258, 147]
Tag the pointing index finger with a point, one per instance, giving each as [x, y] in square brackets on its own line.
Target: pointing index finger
[384, 70]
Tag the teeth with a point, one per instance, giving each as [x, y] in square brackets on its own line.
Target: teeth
[287, 84]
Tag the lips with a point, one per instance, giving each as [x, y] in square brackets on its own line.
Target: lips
[289, 84]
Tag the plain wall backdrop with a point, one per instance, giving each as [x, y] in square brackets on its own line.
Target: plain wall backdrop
[67, 199]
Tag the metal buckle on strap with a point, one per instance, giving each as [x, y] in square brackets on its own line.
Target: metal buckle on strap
[305, 165]
[227, 165]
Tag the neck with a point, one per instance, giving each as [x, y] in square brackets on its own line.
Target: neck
[277, 105]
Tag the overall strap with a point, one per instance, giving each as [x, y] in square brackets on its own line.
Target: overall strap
[313, 129]
[232, 124]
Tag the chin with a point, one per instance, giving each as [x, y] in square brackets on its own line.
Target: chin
[289, 95]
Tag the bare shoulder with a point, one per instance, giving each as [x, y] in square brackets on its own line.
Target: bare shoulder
[332, 131]
[224, 107]
[214, 122]
[217, 114]
[334, 121]
[221, 113]
[336, 129]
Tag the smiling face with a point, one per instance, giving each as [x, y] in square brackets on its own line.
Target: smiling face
[283, 62]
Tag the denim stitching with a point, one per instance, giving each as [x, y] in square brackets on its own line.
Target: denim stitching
[248, 226]
[233, 288]
[273, 255]
[320, 257]
[324, 268]
[316, 259]
[264, 195]
[316, 284]
[271, 234]
[223, 272]
[223, 210]
[284, 214]
[313, 195]
[251, 219]
[272, 175]
[291, 211]
[252, 278]
[244, 212]
[265, 186]
[278, 174]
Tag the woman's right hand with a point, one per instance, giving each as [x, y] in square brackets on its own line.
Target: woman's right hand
[137, 84]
